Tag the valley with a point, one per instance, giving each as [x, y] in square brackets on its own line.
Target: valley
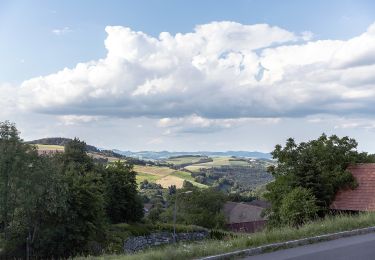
[230, 174]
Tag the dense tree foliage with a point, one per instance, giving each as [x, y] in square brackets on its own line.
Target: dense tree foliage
[318, 166]
[123, 202]
[201, 207]
[298, 207]
[60, 205]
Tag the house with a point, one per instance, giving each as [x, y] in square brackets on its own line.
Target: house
[244, 217]
[362, 198]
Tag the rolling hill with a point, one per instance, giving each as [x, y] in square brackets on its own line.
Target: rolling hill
[202, 169]
[164, 155]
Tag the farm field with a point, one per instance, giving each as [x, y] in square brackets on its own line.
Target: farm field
[164, 176]
[185, 159]
[154, 170]
[101, 156]
[47, 147]
[146, 176]
[217, 162]
[187, 176]
[169, 180]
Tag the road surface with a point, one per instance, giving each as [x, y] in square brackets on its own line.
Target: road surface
[360, 247]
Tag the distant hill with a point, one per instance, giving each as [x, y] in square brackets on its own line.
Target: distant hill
[60, 141]
[166, 154]
[153, 155]
[100, 154]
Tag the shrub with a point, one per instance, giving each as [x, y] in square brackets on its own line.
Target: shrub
[298, 207]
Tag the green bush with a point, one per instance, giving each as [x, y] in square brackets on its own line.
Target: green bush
[218, 234]
[298, 207]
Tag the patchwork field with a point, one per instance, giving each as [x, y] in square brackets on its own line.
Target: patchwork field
[187, 176]
[217, 162]
[169, 180]
[164, 176]
[146, 176]
[154, 170]
[185, 159]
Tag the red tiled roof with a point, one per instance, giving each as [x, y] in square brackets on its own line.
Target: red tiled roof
[361, 198]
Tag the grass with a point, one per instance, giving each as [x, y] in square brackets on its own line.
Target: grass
[164, 176]
[211, 247]
[49, 147]
[187, 176]
[154, 170]
[184, 160]
[141, 176]
[169, 180]
[117, 233]
[217, 162]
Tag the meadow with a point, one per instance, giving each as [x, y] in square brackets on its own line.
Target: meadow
[164, 176]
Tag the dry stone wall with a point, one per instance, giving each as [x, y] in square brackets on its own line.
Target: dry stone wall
[134, 244]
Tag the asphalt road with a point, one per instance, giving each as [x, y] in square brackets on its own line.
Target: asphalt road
[360, 247]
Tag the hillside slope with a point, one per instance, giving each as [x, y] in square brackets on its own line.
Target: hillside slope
[60, 141]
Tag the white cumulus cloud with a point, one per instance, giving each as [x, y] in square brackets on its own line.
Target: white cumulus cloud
[197, 124]
[219, 71]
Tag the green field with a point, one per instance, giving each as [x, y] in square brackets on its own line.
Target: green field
[154, 170]
[164, 176]
[185, 160]
[141, 176]
[217, 162]
[187, 176]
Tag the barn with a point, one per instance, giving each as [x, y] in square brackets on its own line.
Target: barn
[245, 217]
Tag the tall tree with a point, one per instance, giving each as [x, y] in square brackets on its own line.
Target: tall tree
[84, 219]
[318, 166]
[123, 201]
[15, 160]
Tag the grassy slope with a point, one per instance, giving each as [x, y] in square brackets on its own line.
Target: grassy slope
[164, 176]
[141, 176]
[167, 176]
[187, 176]
[212, 247]
[183, 160]
[217, 162]
[49, 147]
[154, 170]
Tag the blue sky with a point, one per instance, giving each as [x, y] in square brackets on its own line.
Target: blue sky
[41, 38]
[30, 49]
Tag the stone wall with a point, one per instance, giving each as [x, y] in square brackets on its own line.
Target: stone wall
[134, 244]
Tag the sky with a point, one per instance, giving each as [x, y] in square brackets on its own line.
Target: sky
[189, 75]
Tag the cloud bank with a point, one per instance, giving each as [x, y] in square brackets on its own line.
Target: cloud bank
[218, 72]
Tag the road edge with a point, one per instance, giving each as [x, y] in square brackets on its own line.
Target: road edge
[289, 244]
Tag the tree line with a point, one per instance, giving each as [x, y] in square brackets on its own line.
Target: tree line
[60, 205]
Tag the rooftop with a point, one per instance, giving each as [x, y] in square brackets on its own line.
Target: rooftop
[242, 212]
[361, 198]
